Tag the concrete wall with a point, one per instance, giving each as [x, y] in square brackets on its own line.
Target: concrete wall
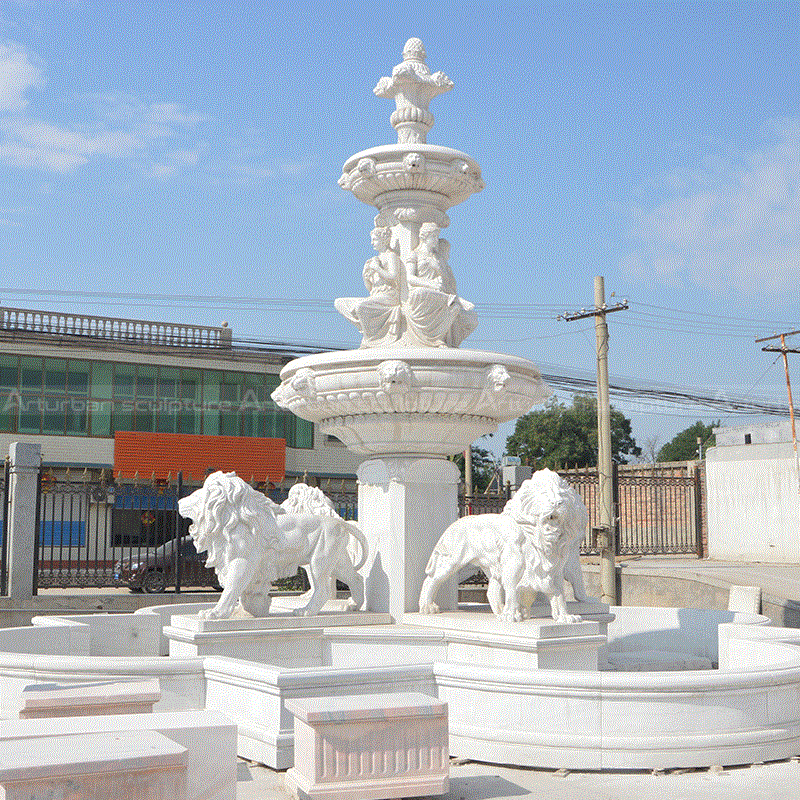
[753, 503]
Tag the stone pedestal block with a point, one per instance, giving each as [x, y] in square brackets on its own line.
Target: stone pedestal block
[281, 639]
[104, 766]
[369, 747]
[91, 699]
[404, 506]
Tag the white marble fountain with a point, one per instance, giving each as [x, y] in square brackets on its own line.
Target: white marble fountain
[531, 684]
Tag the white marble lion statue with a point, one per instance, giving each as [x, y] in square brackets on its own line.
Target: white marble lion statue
[525, 550]
[252, 542]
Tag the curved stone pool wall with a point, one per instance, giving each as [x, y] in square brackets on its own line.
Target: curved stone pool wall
[747, 710]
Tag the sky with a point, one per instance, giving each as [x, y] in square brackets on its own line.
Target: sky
[179, 161]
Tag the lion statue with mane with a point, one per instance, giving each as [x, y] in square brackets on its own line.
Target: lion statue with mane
[527, 549]
[252, 541]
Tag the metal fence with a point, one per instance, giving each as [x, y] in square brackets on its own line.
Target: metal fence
[658, 508]
[86, 524]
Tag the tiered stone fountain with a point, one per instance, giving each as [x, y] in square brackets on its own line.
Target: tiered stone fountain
[526, 693]
[409, 397]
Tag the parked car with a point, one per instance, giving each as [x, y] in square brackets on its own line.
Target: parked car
[153, 571]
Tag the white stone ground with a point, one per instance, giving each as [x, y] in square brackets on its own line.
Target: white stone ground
[472, 781]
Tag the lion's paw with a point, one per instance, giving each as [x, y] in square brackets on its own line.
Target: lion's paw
[215, 613]
[511, 616]
[429, 608]
[568, 619]
[350, 605]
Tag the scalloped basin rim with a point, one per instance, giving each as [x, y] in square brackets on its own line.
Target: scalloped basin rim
[417, 355]
[401, 149]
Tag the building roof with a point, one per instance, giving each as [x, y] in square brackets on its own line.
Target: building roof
[135, 335]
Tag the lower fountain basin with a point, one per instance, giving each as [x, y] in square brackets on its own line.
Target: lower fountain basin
[747, 710]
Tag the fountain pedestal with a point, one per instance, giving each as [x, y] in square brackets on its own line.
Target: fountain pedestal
[404, 505]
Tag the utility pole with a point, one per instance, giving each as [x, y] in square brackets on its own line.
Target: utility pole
[783, 349]
[606, 531]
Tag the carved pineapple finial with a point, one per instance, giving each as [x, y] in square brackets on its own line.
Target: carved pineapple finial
[413, 87]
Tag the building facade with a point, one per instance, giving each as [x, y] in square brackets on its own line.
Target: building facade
[133, 396]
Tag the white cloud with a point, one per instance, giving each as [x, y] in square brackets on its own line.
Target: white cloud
[17, 74]
[110, 126]
[732, 222]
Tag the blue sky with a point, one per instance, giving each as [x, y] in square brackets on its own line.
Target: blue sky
[193, 150]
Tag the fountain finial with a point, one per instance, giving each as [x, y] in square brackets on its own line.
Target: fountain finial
[413, 87]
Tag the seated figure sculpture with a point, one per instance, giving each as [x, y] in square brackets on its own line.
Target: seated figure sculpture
[416, 305]
[527, 549]
[377, 316]
[252, 542]
[435, 315]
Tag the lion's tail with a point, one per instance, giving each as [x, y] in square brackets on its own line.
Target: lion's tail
[358, 535]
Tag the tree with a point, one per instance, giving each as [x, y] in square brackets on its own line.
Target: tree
[651, 448]
[683, 446]
[560, 436]
[483, 466]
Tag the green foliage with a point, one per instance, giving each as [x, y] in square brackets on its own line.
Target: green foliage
[560, 436]
[482, 467]
[684, 446]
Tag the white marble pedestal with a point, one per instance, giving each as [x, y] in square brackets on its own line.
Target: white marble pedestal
[477, 637]
[102, 766]
[404, 506]
[366, 747]
[281, 639]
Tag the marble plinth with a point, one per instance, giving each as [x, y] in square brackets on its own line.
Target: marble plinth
[404, 506]
[89, 699]
[104, 766]
[478, 637]
[369, 747]
[281, 639]
[209, 739]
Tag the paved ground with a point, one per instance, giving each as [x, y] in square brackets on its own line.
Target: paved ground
[779, 580]
[472, 781]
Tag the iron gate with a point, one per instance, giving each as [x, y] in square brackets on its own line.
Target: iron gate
[658, 508]
[85, 526]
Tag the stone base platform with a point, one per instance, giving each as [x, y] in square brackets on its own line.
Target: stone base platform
[281, 639]
[475, 636]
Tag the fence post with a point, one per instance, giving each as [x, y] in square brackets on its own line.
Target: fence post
[25, 460]
[698, 475]
[615, 516]
[177, 534]
[4, 544]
